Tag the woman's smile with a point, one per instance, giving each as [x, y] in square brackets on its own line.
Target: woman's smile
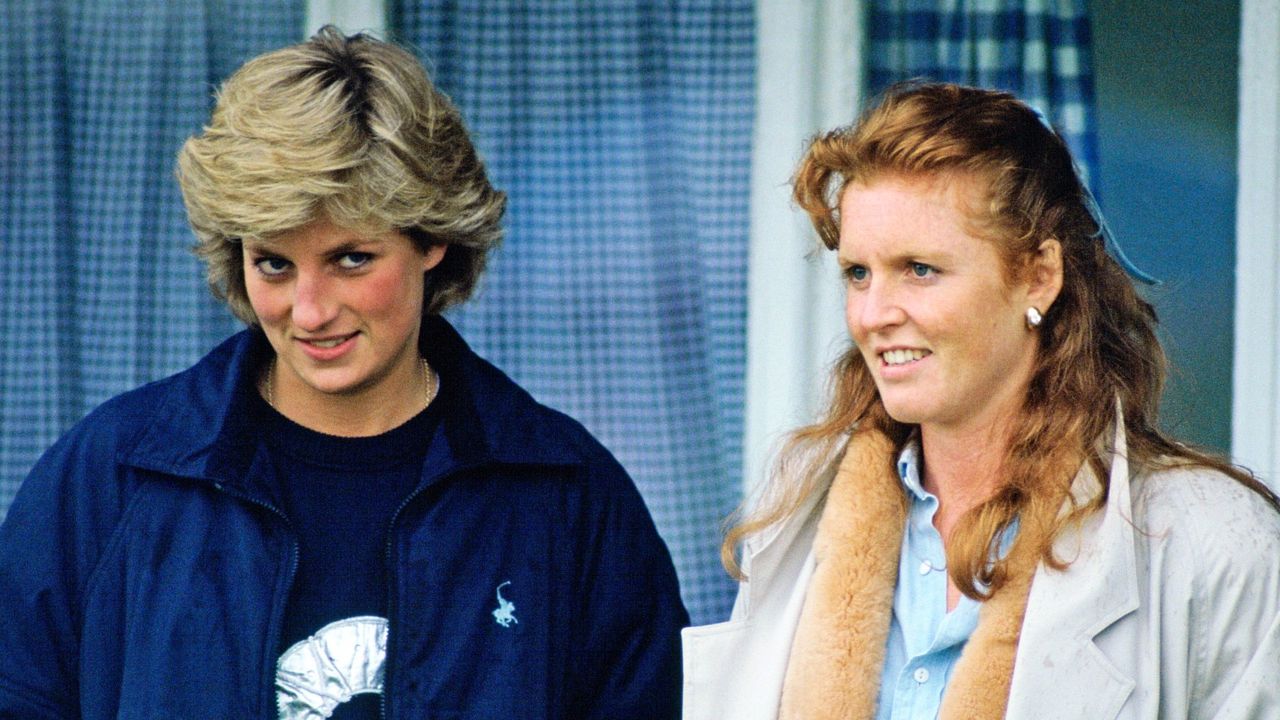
[903, 356]
[328, 348]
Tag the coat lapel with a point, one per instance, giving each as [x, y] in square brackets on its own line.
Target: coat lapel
[735, 668]
[765, 556]
[1068, 609]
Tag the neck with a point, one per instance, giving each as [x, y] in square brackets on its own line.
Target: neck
[962, 468]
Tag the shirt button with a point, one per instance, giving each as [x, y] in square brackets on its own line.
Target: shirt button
[926, 567]
[921, 675]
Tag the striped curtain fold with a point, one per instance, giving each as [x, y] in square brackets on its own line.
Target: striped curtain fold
[101, 292]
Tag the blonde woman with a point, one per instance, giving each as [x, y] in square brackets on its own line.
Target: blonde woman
[987, 521]
[341, 511]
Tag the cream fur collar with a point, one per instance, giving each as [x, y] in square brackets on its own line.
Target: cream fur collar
[837, 655]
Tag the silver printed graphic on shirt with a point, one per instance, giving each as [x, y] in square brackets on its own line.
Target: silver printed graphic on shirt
[343, 659]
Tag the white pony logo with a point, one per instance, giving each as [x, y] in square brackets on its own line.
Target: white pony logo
[505, 613]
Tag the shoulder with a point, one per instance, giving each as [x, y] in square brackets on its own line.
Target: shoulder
[102, 436]
[93, 450]
[1218, 516]
[1212, 562]
[517, 427]
[74, 497]
[571, 435]
[524, 433]
[184, 408]
[120, 418]
[1209, 543]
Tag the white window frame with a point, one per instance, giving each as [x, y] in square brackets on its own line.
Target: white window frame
[1255, 432]
[809, 59]
[350, 16]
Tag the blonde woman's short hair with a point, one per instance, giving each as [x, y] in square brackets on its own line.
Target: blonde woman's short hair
[349, 129]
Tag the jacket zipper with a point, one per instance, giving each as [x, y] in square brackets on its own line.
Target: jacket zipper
[391, 597]
[273, 632]
[391, 574]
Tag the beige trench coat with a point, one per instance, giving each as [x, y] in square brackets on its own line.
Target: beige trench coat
[1170, 610]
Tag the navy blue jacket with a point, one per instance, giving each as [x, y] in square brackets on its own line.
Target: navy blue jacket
[144, 565]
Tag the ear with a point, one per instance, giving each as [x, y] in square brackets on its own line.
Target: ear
[1044, 275]
[433, 256]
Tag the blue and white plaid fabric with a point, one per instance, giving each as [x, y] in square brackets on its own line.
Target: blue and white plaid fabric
[621, 132]
[99, 292]
[1039, 50]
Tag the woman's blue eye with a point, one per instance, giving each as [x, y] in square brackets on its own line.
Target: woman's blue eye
[353, 260]
[272, 266]
[921, 270]
[857, 273]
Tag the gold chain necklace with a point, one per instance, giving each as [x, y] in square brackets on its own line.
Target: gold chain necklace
[433, 383]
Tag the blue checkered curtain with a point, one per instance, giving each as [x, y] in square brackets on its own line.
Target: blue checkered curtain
[99, 292]
[621, 132]
[1038, 49]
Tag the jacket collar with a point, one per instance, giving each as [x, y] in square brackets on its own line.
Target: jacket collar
[764, 553]
[1069, 609]
[199, 426]
[1109, 590]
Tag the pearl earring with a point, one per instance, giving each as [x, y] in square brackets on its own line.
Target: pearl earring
[1034, 318]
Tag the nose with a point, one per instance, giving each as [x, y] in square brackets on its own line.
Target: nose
[873, 308]
[313, 303]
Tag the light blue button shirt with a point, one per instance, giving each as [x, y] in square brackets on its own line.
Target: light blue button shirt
[924, 639]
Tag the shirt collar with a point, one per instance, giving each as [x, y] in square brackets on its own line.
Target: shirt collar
[909, 468]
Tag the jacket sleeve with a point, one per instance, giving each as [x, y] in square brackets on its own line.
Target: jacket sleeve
[1214, 561]
[1233, 543]
[50, 539]
[1256, 694]
[629, 665]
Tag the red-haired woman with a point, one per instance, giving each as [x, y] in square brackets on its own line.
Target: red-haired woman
[987, 521]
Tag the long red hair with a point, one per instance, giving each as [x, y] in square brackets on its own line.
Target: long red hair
[1097, 342]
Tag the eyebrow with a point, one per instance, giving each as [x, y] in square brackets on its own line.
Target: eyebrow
[901, 258]
[258, 245]
[348, 245]
[351, 245]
